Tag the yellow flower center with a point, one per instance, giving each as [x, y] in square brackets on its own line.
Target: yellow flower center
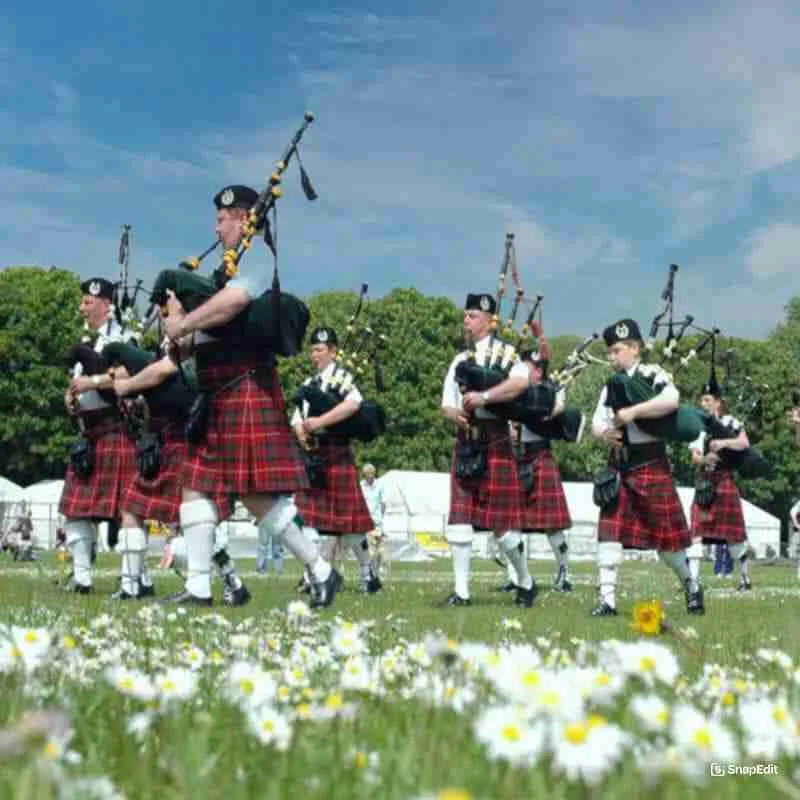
[740, 685]
[334, 701]
[728, 699]
[511, 733]
[702, 738]
[450, 691]
[550, 698]
[247, 686]
[453, 794]
[126, 684]
[663, 716]
[52, 751]
[68, 642]
[361, 760]
[602, 679]
[16, 652]
[575, 733]
[168, 685]
[30, 637]
[779, 715]
[531, 678]
[714, 683]
[268, 726]
[283, 692]
[304, 709]
[596, 721]
[647, 663]
[217, 657]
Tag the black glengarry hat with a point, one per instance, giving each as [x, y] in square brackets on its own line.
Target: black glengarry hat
[622, 330]
[480, 302]
[236, 197]
[324, 335]
[98, 287]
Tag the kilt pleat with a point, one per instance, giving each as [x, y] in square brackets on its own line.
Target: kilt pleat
[160, 498]
[648, 514]
[544, 508]
[340, 506]
[723, 520]
[100, 495]
[249, 447]
[493, 502]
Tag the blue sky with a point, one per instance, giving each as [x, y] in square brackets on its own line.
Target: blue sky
[612, 140]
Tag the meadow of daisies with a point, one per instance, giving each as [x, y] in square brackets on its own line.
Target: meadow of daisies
[390, 696]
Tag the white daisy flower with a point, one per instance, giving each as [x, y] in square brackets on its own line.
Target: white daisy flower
[770, 730]
[701, 738]
[271, 727]
[175, 684]
[248, 685]
[652, 713]
[509, 736]
[587, 749]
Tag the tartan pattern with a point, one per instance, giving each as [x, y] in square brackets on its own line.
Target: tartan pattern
[249, 447]
[160, 498]
[100, 496]
[648, 514]
[494, 502]
[723, 520]
[544, 509]
[340, 506]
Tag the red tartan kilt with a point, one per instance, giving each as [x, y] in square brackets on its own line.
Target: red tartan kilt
[545, 508]
[494, 502]
[340, 507]
[648, 515]
[249, 447]
[100, 496]
[723, 520]
[160, 498]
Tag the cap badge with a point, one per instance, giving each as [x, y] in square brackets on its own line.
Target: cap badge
[485, 303]
[622, 331]
[227, 197]
[322, 336]
[94, 288]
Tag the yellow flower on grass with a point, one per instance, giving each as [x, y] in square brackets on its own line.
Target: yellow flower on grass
[453, 794]
[648, 618]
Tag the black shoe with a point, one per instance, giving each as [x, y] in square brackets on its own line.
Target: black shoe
[526, 597]
[146, 591]
[185, 598]
[509, 586]
[121, 594]
[372, 584]
[694, 602]
[303, 585]
[604, 610]
[562, 582]
[73, 587]
[457, 600]
[322, 594]
[744, 584]
[233, 598]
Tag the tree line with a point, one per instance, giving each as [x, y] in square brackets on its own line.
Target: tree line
[39, 321]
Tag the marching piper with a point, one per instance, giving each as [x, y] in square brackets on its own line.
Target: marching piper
[103, 463]
[717, 514]
[484, 486]
[639, 504]
[335, 506]
[247, 448]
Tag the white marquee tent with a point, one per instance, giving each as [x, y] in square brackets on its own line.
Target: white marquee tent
[417, 504]
[11, 497]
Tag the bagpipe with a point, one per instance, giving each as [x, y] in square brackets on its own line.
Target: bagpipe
[360, 345]
[623, 390]
[274, 321]
[534, 406]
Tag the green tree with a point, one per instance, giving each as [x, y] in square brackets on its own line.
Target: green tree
[38, 322]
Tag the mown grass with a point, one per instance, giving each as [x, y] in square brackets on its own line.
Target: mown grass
[208, 753]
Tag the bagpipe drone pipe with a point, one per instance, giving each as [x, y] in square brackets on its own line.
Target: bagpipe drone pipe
[274, 321]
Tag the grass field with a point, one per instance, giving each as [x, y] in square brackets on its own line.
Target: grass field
[390, 696]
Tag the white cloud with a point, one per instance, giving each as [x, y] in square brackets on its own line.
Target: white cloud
[773, 250]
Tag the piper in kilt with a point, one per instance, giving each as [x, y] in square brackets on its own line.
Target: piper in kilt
[645, 512]
[247, 448]
[157, 496]
[717, 514]
[336, 507]
[93, 491]
[544, 504]
[490, 501]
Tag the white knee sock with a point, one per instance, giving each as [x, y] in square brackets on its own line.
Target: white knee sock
[81, 535]
[360, 547]
[558, 543]
[679, 564]
[462, 554]
[280, 521]
[512, 573]
[132, 547]
[198, 520]
[510, 543]
[609, 557]
[739, 553]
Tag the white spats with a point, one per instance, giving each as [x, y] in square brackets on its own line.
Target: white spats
[132, 547]
[198, 520]
[509, 543]
[609, 557]
[558, 543]
[81, 534]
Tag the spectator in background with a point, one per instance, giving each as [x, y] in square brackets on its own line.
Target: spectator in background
[269, 550]
[373, 494]
[723, 563]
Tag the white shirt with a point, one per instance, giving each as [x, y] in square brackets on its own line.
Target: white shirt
[255, 281]
[527, 435]
[91, 400]
[451, 393]
[373, 495]
[324, 378]
[699, 444]
[603, 419]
